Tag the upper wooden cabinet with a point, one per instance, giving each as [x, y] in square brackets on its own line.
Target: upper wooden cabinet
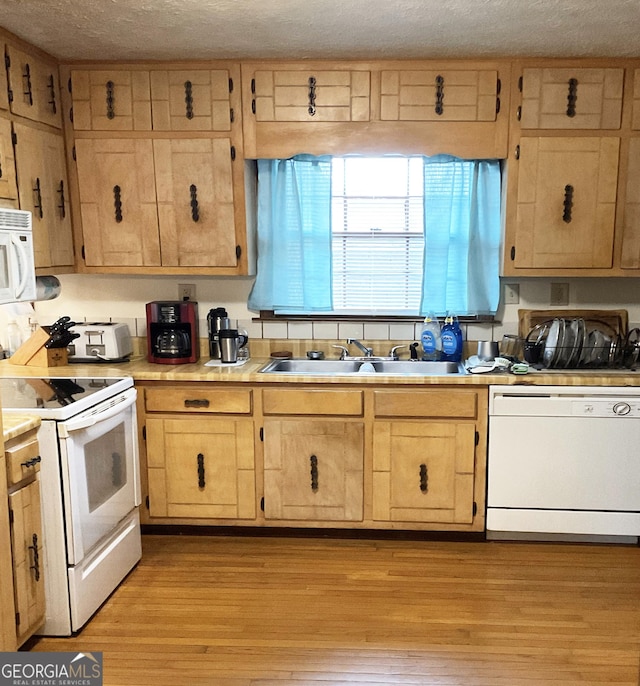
[8, 187]
[117, 100]
[566, 203]
[630, 258]
[152, 100]
[44, 191]
[4, 85]
[305, 94]
[577, 98]
[196, 100]
[34, 90]
[635, 122]
[438, 95]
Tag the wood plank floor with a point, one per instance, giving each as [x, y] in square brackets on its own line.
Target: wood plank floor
[248, 611]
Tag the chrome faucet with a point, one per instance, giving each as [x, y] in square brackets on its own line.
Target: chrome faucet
[368, 352]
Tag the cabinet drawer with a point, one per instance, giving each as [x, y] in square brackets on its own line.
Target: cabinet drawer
[437, 403]
[23, 457]
[312, 401]
[212, 401]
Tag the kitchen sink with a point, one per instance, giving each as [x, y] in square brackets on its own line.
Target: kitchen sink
[387, 367]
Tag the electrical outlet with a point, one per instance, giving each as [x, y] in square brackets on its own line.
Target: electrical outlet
[511, 293]
[186, 291]
[559, 294]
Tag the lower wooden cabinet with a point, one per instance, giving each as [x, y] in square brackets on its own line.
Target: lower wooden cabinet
[318, 455]
[28, 557]
[313, 470]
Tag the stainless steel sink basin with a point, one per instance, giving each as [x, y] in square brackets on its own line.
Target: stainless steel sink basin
[387, 367]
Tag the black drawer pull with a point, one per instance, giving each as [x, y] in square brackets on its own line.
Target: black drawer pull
[52, 94]
[572, 96]
[188, 99]
[27, 82]
[196, 402]
[61, 206]
[312, 95]
[30, 463]
[568, 204]
[195, 210]
[117, 203]
[110, 87]
[439, 107]
[37, 205]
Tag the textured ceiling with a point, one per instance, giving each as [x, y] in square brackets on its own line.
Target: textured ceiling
[358, 29]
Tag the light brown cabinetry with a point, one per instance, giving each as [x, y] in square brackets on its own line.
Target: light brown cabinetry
[424, 456]
[313, 465]
[8, 187]
[438, 95]
[4, 84]
[571, 98]
[566, 202]
[150, 202]
[200, 453]
[43, 188]
[34, 90]
[25, 523]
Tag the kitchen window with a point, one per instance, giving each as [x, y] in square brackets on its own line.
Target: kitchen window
[374, 236]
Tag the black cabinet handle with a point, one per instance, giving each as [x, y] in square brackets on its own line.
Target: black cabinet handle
[36, 557]
[37, 205]
[0, 167]
[110, 87]
[27, 82]
[567, 204]
[314, 473]
[312, 95]
[195, 212]
[424, 478]
[188, 99]
[439, 108]
[61, 206]
[572, 96]
[198, 402]
[117, 203]
[201, 481]
[52, 94]
[33, 461]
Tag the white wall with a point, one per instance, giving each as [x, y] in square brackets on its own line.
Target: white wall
[122, 298]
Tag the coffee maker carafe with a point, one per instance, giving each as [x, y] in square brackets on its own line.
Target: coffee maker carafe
[172, 332]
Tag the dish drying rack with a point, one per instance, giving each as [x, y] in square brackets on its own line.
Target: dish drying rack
[578, 339]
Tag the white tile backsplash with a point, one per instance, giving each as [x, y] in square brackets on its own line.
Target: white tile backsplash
[302, 330]
[274, 329]
[327, 331]
[350, 330]
[376, 332]
[403, 332]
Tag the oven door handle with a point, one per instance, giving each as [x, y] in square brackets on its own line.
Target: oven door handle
[85, 422]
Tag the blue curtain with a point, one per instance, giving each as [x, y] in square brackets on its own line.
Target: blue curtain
[462, 236]
[294, 235]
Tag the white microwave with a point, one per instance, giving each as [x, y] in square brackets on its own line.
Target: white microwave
[17, 265]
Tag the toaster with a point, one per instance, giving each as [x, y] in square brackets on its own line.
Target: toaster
[99, 341]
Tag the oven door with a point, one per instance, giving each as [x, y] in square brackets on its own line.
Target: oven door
[101, 479]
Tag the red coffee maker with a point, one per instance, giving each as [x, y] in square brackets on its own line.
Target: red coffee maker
[172, 332]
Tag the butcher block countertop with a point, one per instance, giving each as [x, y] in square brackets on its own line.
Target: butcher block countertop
[141, 370]
[14, 425]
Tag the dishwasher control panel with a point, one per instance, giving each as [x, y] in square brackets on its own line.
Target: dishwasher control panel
[606, 408]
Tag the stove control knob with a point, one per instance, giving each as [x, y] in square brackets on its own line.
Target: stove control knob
[621, 409]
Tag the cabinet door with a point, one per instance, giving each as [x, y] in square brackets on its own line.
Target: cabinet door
[630, 258]
[445, 95]
[28, 557]
[201, 468]
[313, 470]
[566, 202]
[111, 100]
[118, 202]
[44, 191]
[635, 122]
[310, 95]
[8, 187]
[195, 202]
[571, 98]
[423, 471]
[196, 100]
[34, 87]
[4, 84]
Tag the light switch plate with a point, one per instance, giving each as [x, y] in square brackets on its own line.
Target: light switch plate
[511, 293]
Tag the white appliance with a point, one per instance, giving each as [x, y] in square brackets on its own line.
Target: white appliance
[17, 265]
[99, 341]
[564, 462]
[90, 488]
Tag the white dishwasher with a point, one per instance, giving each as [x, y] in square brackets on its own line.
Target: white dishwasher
[564, 462]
